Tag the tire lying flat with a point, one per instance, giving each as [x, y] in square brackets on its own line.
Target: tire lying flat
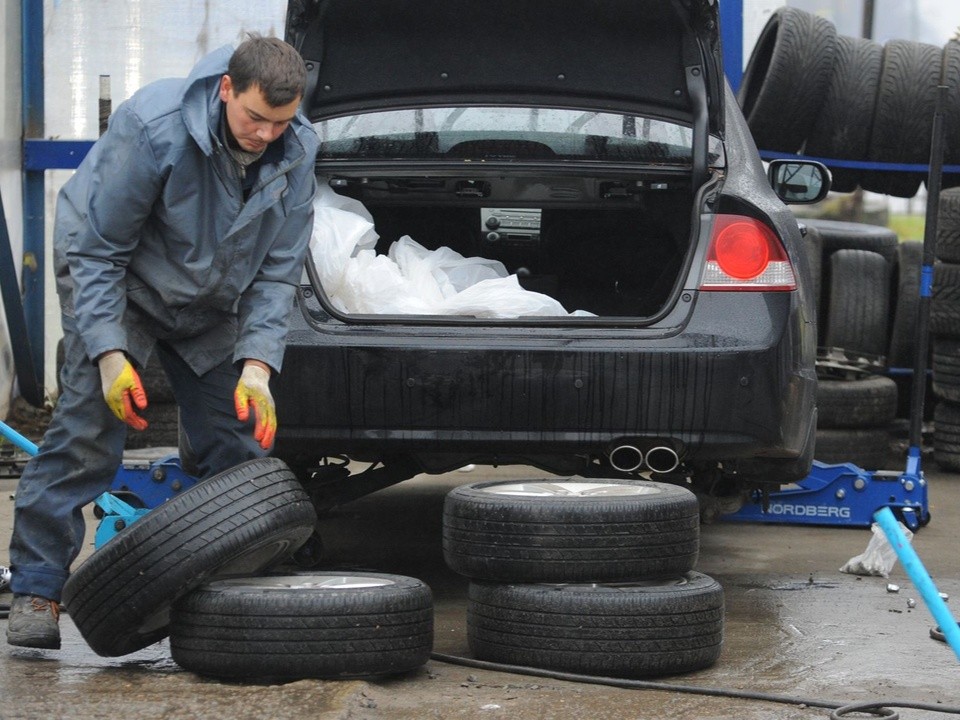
[843, 235]
[604, 530]
[239, 522]
[946, 437]
[304, 625]
[945, 300]
[868, 448]
[637, 629]
[946, 369]
[870, 401]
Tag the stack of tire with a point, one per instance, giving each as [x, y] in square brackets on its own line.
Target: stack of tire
[198, 568]
[945, 332]
[808, 89]
[866, 272]
[591, 577]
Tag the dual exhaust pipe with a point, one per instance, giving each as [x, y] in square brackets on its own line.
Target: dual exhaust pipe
[630, 458]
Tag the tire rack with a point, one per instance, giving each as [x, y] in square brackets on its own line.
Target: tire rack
[844, 494]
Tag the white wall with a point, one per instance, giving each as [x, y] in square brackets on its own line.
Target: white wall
[133, 42]
[10, 162]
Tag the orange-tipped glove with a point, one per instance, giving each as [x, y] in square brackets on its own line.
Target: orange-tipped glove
[122, 388]
[254, 389]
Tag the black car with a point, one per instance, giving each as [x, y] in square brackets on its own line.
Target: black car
[594, 153]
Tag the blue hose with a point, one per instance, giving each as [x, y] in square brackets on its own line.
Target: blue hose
[920, 578]
[17, 439]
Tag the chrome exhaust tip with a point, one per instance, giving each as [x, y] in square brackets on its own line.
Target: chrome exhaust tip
[662, 459]
[626, 458]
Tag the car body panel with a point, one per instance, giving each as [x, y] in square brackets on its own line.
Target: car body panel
[724, 379]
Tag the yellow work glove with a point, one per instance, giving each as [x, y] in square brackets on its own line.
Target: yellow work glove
[122, 388]
[254, 389]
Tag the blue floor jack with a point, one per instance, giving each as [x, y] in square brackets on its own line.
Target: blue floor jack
[845, 494]
[136, 489]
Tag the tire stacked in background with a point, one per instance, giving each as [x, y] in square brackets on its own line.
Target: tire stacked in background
[855, 402]
[584, 576]
[945, 332]
[808, 89]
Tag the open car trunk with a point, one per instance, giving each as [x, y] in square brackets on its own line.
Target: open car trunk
[600, 245]
[565, 139]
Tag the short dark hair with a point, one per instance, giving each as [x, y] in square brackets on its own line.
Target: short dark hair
[271, 64]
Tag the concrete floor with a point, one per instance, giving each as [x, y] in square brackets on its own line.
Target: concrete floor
[795, 626]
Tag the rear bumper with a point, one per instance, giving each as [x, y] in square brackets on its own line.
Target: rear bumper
[710, 392]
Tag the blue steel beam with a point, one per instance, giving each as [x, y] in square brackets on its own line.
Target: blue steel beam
[42, 155]
[34, 241]
[731, 30]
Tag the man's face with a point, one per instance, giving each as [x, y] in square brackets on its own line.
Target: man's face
[252, 121]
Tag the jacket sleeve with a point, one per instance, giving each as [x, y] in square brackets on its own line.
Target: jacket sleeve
[264, 308]
[113, 192]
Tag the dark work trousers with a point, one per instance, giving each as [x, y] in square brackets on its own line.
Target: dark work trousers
[83, 448]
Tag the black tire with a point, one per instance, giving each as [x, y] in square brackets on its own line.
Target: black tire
[945, 300]
[161, 414]
[858, 302]
[946, 369]
[570, 531]
[641, 629]
[903, 118]
[786, 78]
[948, 226]
[304, 625]
[842, 235]
[867, 402]
[156, 384]
[951, 119]
[238, 522]
[900, 352]
[163, 423]
[946, 435]
[868, 448]
[813, 248]
[841, 130]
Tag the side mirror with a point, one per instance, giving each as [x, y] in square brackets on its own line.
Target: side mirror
[799, 181]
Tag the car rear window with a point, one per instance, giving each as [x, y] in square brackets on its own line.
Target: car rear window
[508, 133]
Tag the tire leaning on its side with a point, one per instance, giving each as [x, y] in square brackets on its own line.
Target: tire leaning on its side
[857, 310]
[787, 77]
[902, 122]
[842, 128]
[239, 522]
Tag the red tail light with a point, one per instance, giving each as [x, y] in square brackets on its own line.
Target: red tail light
[745, 254]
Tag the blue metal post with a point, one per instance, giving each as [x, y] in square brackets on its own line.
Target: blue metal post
[731, 30]
[34, 240]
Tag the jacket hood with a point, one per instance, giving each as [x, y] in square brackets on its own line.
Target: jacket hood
[201, 103]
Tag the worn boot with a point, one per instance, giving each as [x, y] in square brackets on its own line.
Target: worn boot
[33, 622]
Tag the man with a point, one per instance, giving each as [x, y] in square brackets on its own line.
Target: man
[181, 236]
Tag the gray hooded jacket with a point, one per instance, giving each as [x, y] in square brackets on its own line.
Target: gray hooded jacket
[153, 239]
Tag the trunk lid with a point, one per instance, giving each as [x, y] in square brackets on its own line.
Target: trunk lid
[656, 58]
